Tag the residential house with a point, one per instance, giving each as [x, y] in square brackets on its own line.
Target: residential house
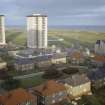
[76, 58]
[18, 97]
[99, 47]
[50, 93]
[97, 78]
[98, 60]
[3, 64]
[77, 85]
[24, 64]
[59, 58]
[43, 61]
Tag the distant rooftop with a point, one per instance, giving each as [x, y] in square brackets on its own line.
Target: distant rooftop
[99, 41]
[37, 15]
[96, 75]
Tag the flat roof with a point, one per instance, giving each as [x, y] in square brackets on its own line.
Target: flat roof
[37, 15]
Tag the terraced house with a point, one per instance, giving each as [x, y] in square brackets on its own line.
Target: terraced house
[18, 97]
[50, 93]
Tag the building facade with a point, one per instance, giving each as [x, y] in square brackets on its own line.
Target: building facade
[2, 30]
[50, 93]
[37, 31]
[100, 47]
[98, 60]
[97, 78]
[77, 85]
[24, 65]
[76, 58]
[59, 58]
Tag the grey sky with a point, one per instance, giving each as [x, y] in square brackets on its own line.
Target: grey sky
[60, 12]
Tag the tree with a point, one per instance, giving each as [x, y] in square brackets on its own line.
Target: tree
[3, 74]
[10, 83]
[52, 73]
[71, 70]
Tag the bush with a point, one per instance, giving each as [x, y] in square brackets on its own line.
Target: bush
[10, 84]
[70, 70]
[52, 73]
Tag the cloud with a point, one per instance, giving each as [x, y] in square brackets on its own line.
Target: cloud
[71, 11]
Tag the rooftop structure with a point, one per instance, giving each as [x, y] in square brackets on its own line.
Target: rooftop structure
[2, 30]
[17, 97]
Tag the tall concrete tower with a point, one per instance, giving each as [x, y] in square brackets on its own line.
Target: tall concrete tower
[37, 31]
[2, 30]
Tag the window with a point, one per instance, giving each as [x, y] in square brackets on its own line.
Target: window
[71, 92]
[53, 101]
[53, 96]
[60, 93]
[28, 103]
[85, 90]
[60, 99]
[80, 86]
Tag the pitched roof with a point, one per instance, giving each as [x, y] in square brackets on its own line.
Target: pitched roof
[77, 79]
[24, 61]
[77, 55]
[16, 97]
[58, 55]
[43, 58]
[49, 88]
[99, 58]
[96, 75]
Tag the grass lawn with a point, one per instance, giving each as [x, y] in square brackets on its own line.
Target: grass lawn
[34, 81]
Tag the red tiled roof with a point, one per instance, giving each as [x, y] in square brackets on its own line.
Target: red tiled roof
[50, 88]
[16, 97]
[99, 58]
[77, 55]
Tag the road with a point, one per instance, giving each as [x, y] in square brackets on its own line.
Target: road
[28, 75]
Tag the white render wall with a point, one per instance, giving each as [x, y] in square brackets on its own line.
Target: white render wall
[2, 30]
[37, 31]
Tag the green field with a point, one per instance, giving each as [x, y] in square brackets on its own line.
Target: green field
[77, 37]
[16, 36]
[31, 82]
[70, 37]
